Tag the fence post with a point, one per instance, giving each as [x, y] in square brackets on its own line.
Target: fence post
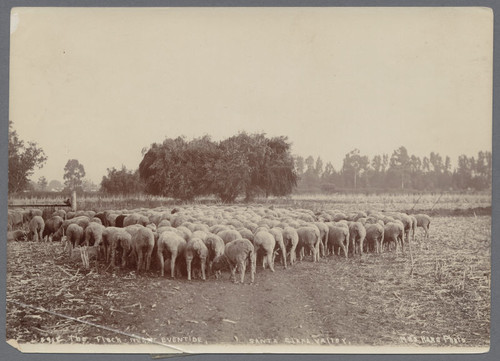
[73, 201]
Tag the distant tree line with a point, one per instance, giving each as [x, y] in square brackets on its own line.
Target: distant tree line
[252, 165]
[400, 171]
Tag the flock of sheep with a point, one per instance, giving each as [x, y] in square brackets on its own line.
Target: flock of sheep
[209, 239]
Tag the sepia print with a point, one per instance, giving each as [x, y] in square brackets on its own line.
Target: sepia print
[250, 180]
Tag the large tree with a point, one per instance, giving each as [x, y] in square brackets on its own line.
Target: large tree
[245, 164]
[23, 159]
[74, 172]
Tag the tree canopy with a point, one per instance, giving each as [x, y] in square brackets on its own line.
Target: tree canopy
[74, 172]
[23, 159]
[245, 164]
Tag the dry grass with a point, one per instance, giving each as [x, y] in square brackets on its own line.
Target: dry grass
[344, 202]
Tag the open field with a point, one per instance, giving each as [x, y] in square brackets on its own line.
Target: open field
[368, 300]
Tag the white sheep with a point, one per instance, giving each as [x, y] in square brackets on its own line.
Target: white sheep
[143, 242]
[36, 227]
[424, 221]
[195, 248]
[170, 243]
[236, 254]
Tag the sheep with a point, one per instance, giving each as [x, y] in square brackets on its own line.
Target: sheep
[82, 221]
[186, 232]
[264, 243]
[111, 219]
[93, 234]
[142, 244]
[215, 246]
[96, 220]
[246, 233]
[413, 226]
[236, 254]
[199, 234]
[170, 243]
[357, 235]
[394, 232]
[338, 238]
[374, 236]
[229, 235]
[196, 248]
[36, 227]
[17, 235]
[278, 236]
[309, 237]
[74, 236]
[103, 218]
[290, 240]
[405, 220]
[135, 218]
[323, 231]
[119, 220]
[34, 212]
[424, 221]
[52, 225]
[164, 223]
[113, 239]
[14, 219]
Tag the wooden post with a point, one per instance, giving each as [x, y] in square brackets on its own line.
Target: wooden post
[73, 201]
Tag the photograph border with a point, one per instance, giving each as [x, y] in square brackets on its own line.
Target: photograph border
[11, 354]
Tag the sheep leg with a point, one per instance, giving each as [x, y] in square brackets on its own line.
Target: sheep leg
[124, 258]
[203, 263]
[283, 253]
[269, 257]
[173, 257]
[242, 266]
[148, 258]
[233, 272]
[113, 254]
[252, 267]
[162, 262]
[139, 259]
[321, 248]
[188, 264]
[293, 255]
[312, 249]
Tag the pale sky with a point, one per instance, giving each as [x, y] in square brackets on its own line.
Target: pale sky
[98, 84]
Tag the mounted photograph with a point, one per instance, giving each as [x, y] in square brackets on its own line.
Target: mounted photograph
[250, 180]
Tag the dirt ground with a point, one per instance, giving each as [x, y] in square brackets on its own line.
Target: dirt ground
[368, 300]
